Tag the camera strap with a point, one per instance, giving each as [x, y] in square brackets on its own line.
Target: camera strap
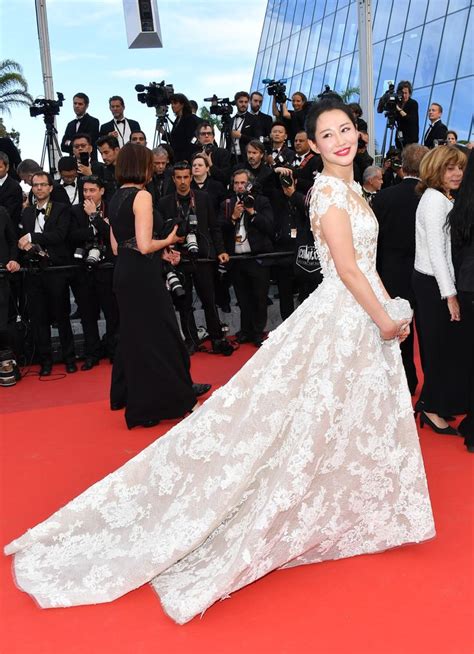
[191, 206]
[47, 212]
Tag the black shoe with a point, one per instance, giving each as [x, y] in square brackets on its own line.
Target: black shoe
[439, 430]
[242, 337]
[191, 347]
[200, 389]
[146, 423]
[46, 369]
[222, 346]
[71, 367]
[258, 342]
[116, 406]
[89, 363]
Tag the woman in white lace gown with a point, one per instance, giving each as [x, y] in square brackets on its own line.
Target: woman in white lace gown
[309, 453]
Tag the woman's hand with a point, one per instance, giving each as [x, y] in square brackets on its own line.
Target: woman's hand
[394, 329]
[172, 256]
[453, 307]
[173, 238]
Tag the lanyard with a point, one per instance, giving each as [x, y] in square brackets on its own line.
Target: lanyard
[192, 205]
[49, 206]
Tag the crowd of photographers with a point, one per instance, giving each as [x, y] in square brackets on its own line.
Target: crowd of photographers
[240, 205]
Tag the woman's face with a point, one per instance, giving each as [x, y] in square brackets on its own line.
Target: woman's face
[336, 138]
[452, 178]
[297, 102]
[177, 107]
[451, 139]
[199, 167]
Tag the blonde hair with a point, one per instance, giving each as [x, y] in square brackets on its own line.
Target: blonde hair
[434, 163]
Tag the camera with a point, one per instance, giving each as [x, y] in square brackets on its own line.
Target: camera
[46, 108]
[267, 144]
[220, 106]
[388, 104]
[394, 157]
[187, 229]
[246, 197]
[286, 180]
[172, 280]
[36, 255]
[276, 88]
[155, 94]
[92, 254]
[208, 148]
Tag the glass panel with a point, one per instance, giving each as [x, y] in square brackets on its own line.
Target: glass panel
[417, 13]
[467, 57]
[330, 75]
[273, 24]
[342, 3]
[379, 125]
[312, 46]
[428, 53]
[257, 71]
[409, 53]
[454, 5]
[301, 53]
[266, 59]
[273, 62]
[390, 62]
[298, 17]
[351, 30]
[460, 118]
[422, 96]
[442, 94]
[306, 82]
[330, 6]
[292, 55]
[451, 45]
[324, 40]
[281, 21]
[318, 10]
[343, 73]
[337, 34]
[308, 13]
[295, 85]
[436, 8]
[398, 18]
[266, 25]
[382, 18]
[290, 10]
[280, 66]
[377, 61]
[317, 83]
[354, 76]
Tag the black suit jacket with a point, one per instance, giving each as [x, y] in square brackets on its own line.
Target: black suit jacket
[58, 194]
[209, 237]
[214, 189]
[259, 227]
[409, 124]
[305, 173]
[8, 238]
[181, 135]
[89, 125]
[54, 238]
[438, 131]
[106, 128]
[249, 130]
[81, 231]
[395, 209]
[264, 123]
[161, 186]
[11, 197]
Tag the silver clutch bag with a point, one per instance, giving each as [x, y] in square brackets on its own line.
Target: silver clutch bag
[398, 309]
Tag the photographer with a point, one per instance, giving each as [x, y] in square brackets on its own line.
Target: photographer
[67, 168]
[8, 263]
[244, 127]
[437, 132]
[247, 224]
[306, 163]
[193, 212]
[11, 196]
[279, 154]
[161, 183]
[184, 127]
[372, 180]
[392, 165]
[83, 123]
[203, 182]
[260, 170]
[295, 118]
[264, 121]
[119, 127]
[138, 137]
[26, 170]
[92, 283]
[407, 116]
[218, 158]
[109, 149]
[44, 233]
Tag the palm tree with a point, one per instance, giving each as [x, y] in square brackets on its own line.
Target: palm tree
[13, 86]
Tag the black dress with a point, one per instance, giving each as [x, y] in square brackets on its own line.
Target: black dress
[151, 370]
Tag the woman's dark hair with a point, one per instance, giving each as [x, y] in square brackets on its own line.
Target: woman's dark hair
[451, 131]
[134, 164]
[182, 99]
[321, 107]
[302, 96]
[356, 108]
[461, 217]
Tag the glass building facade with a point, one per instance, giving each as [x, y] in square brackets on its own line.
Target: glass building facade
[428, 42]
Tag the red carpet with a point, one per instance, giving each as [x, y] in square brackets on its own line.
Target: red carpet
[58, 437]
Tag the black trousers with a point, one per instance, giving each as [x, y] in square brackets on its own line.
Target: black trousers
[47, 295]
[4, 305]
[93, 292]
[443, 346]
[202, 277]
[284, 275]
[466, 301]
[251, 281]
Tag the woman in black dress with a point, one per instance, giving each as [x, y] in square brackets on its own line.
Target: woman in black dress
[151, 371]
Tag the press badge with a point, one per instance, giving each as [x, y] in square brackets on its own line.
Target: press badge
[293, 232]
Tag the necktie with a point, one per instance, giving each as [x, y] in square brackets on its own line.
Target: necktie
[78, 124]
[120, 122]
[39, 212]
[298, 159]
[73, 184]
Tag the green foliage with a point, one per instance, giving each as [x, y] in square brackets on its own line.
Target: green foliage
[13, 87]
[13, 134]
[213, 120]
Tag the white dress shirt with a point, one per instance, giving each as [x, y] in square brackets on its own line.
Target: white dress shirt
[433, 241]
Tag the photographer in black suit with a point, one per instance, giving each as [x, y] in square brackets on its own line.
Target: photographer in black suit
[244, 128]
[11, 195]
[264, 121]
[261, 171]
[109, 149]
[161, 183]
[119, 127]
[83, 123]
[247, 224]
[279, 154]
[219, 159]
[395, 209]
[8, 263]
[437, 132]
[92, 283]
[203, 237]
[44, 233]
[184, 127]
[306, 163]
[26, 170]
[406, 116]
[67, 168]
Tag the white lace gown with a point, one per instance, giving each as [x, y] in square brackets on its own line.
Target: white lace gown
[309, 453]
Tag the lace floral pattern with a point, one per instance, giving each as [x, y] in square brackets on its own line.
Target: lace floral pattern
[309, 453]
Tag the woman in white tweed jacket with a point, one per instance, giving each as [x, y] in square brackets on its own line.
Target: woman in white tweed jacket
[437, 308]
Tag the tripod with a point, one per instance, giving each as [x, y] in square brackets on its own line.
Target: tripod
[389, 126]
[50, 145]
[226, 122]
[163, 126]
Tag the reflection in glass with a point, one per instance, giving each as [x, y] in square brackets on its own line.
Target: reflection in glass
[381, 21]
[292, 56]
[301, 53]
[298, 17]
[462, 98]
[398, 17]
[417, 13]
[313, 45]
[409, 54]
[290, 10]
[436, 9]
[442, 94]
[308, 13]
[337, 34]
[325, 38]
[280, 21]
[428, 53]
[330, 74]
[280, 67]
[317, 84]
[266, 25]
[390, 62]
[466, 67]
[451, 47]
[454, 5]
[422, 96]
[351, 30]
[343, 73]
